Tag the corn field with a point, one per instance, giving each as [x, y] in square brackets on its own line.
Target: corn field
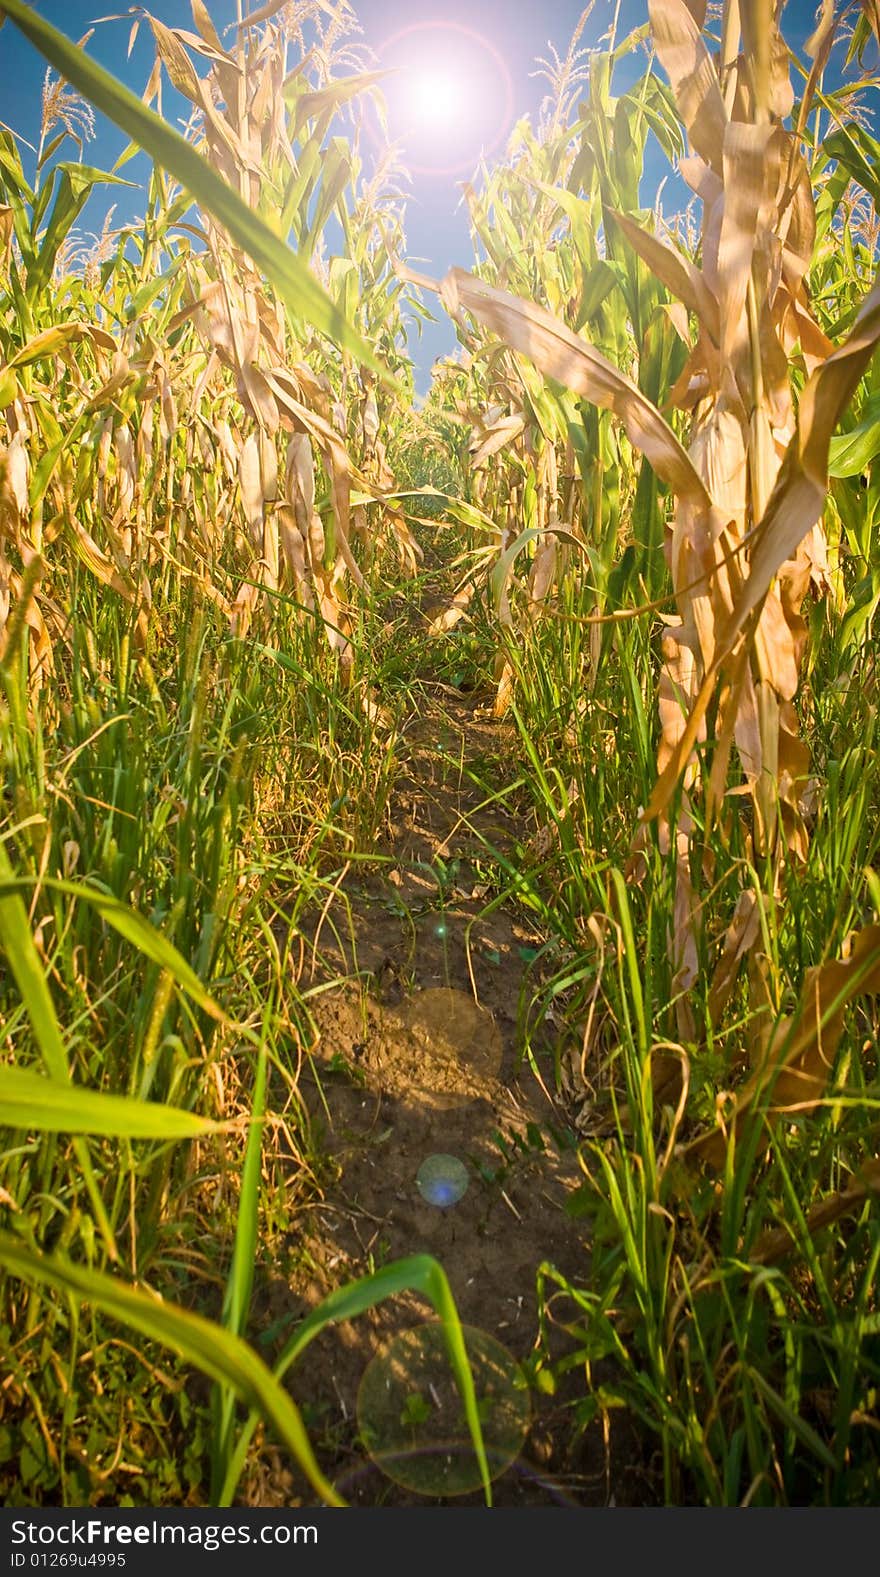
[630, 542]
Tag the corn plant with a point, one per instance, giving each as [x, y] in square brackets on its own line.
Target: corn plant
[749, 474]
[105, 488]
[650, 478]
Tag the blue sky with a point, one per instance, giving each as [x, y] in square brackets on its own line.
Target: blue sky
[485, 52]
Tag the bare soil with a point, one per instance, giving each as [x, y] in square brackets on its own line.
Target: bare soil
[414, 976]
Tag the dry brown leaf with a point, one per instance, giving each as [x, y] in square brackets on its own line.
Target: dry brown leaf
[676, 272]
[768, 84]
[542, 573]
[15, 472]
[7, 230]
[264, 13]
[774, 1245]
[491, 439]
[793, 509]
[798, 498]
[99, 564]
[504, 690]
[871, 10]
[177, 62]
[798, 1061]
[454, 613]
[202, 19]
[251, 484]
[818, 47]
[692, 75]
[701, 179]
[560, 354]
[747, 179]
[742, 934]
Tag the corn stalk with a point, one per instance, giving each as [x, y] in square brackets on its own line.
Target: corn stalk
[156, 393]
[750, 476]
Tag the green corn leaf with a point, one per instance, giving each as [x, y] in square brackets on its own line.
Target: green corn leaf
[11, 172]
[74, 185]
[851, 453]
[314, 103]
[300, 291]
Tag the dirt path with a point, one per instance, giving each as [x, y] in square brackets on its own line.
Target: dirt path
[414, 979]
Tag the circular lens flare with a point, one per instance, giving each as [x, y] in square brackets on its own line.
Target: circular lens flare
[411, 1416]
[442, 1180]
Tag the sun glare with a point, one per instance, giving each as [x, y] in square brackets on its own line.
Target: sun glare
[434, 97]
[449, 95]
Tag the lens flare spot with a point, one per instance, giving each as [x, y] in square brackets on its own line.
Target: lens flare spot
[411, 1416]
[442, 1180]
[449, 96]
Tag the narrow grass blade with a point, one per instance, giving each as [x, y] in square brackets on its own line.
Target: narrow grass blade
[216, 1352]
[18, 944]
[241, 1272]
[28, 1100]
[127, 922]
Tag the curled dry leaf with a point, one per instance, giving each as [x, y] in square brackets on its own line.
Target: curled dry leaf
[793, 508]
[871, 10]
[450, 616]
[496, 435]
[676, 271]
[542, 574]
[691, 71]
[742, 934]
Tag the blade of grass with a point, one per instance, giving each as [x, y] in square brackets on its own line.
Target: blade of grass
[18, 945]
[219, 1354]
[127, 922]
[419, 1273]
[241, 1272]
[28, 1100]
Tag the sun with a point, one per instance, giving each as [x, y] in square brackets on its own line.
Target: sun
[434, 97]
[449, 96]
